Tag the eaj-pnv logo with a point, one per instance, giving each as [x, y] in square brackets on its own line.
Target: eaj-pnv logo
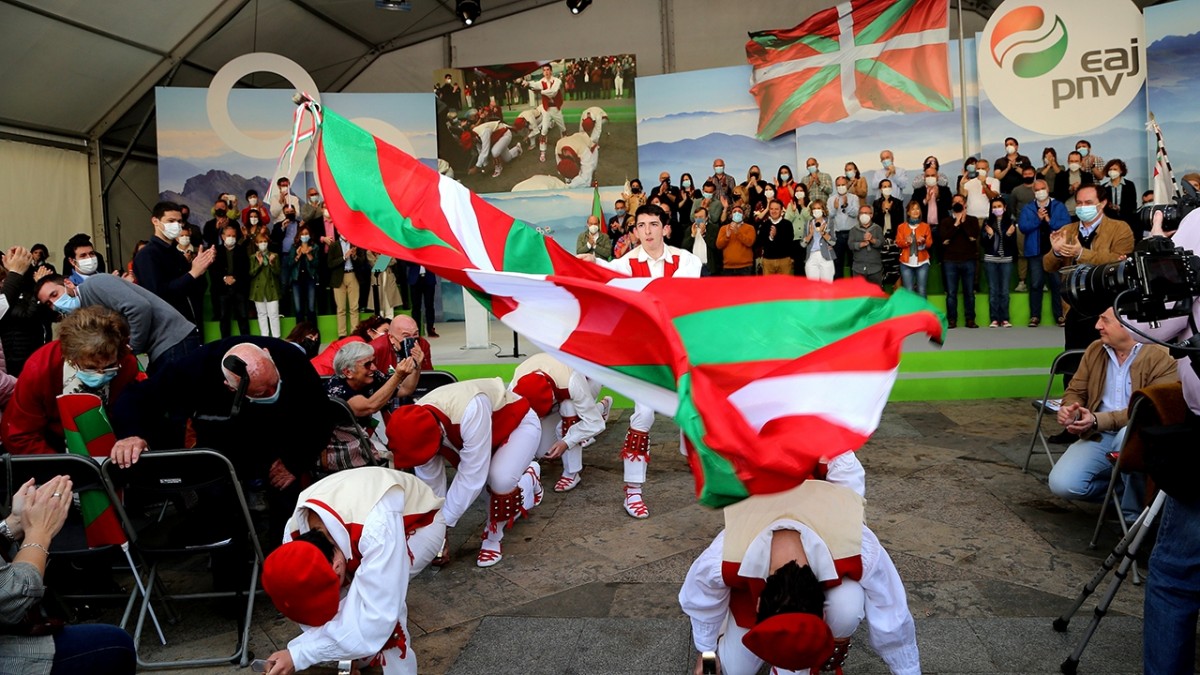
[1062, 66]
[1027, 43]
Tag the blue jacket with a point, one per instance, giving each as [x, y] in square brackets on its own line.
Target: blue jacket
[1037, 231]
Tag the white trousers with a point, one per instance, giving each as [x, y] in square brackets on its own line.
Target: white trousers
[641, 420]
[844, 610]
[818, 268]
[551, 117]
[268, 318]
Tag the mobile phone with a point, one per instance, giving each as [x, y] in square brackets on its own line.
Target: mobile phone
[260, 666]
[407, 346]
[708, 661]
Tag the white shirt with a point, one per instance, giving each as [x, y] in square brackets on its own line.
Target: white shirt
[1118, 386]
[688, 266]
[474, 460]
[978, 203]
[375, 600]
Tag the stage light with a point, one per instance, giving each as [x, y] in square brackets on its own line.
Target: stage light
[394, 5]
[577, 6]
[467, 11]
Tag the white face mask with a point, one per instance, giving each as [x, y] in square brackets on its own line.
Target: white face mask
[1073, 166]
[1114, 174]
[230, 242]
[886, 192]
[842, 189]
[770, 194]
[283, 189]
[1041, 195]
[87, 266]
[930, 181]
[818, 213]
[184, 241]
[1010, 149]
[262, 246]
[254, 201]
[593, 229]
[864, 218]
[171, 230]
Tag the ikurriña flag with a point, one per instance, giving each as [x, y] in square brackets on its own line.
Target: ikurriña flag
[873, 54]
[89, 434]
[765, 375]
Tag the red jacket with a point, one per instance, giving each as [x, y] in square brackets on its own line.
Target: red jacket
[385, 356]
[30, 425]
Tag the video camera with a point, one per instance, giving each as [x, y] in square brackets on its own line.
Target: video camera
[1158, 281]
[1172, 214]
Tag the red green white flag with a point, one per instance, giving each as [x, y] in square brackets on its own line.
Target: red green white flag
[764, 375]
[862, 54]
[89, 434]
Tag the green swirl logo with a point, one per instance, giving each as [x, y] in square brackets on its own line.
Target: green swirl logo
[1027, 43]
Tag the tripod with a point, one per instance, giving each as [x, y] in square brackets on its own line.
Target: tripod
[1125, 551]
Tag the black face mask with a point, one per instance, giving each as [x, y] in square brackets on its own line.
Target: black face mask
[1027, 179]
[957, 208]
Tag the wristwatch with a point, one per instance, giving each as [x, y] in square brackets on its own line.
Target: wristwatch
[5, 531]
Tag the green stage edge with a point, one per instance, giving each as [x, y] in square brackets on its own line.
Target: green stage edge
[942, 375]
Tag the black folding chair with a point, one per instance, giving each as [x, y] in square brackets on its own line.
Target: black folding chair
[194, 486]
[1065, 362]
[71, 546]
[432, 379]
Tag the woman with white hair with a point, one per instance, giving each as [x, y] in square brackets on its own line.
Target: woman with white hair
[359, 383]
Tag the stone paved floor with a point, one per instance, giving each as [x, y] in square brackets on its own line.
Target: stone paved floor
[988, 556]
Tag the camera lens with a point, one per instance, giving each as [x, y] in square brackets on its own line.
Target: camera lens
[1092, 288]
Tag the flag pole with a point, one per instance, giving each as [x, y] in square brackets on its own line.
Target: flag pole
[962, 85]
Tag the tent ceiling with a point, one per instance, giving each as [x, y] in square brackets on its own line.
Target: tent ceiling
[84, 68]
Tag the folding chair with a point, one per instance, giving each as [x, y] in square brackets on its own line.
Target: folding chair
[206, 479]
[1066, 362]
[1125, 462]
[432, 379]
[93, 528]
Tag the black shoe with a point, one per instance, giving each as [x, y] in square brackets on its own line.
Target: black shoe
[1063, 437]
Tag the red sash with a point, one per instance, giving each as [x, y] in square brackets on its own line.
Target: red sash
[641, 268]
[504, 422]
[549, 102]
[498, 133]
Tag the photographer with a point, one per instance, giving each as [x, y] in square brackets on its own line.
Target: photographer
[1173, 584]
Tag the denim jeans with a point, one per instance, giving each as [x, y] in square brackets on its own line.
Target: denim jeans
[960, 271]
[1173, 592]
[304, 300]
[915, 279]
[999, 276]
[93, 648]
[1084, 470]
[1038, 279]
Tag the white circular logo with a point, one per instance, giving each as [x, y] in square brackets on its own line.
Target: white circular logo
[1060, 67]
[217, 102]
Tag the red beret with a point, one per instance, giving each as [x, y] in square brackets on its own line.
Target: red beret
[466, 140]
[414, 436]
[588, 124]
[793, 641]
[535, 388]
[568, 168]
[301, 583]
[519, 123]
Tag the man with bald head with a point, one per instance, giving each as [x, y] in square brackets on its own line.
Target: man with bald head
[277, 433]
[389, 347]
[593, 240]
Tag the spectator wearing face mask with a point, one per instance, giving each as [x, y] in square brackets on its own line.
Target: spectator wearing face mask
[77, 241]
[618, 219]
[1123, 199]
[303, 276]
[265, 288]
[736, 242]
[90, 356]
[82, 259]
[254, 205]
[214, 228]
[593, 241]
[283, 198]
[313, 206]
[888, 210]
[714, 208]
[230, 279]
[161, 269]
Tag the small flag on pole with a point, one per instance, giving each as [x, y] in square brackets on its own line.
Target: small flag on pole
[89, 434]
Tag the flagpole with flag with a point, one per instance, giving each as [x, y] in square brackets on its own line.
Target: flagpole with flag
[860, 54]
[1165, 186]
[807, 379]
